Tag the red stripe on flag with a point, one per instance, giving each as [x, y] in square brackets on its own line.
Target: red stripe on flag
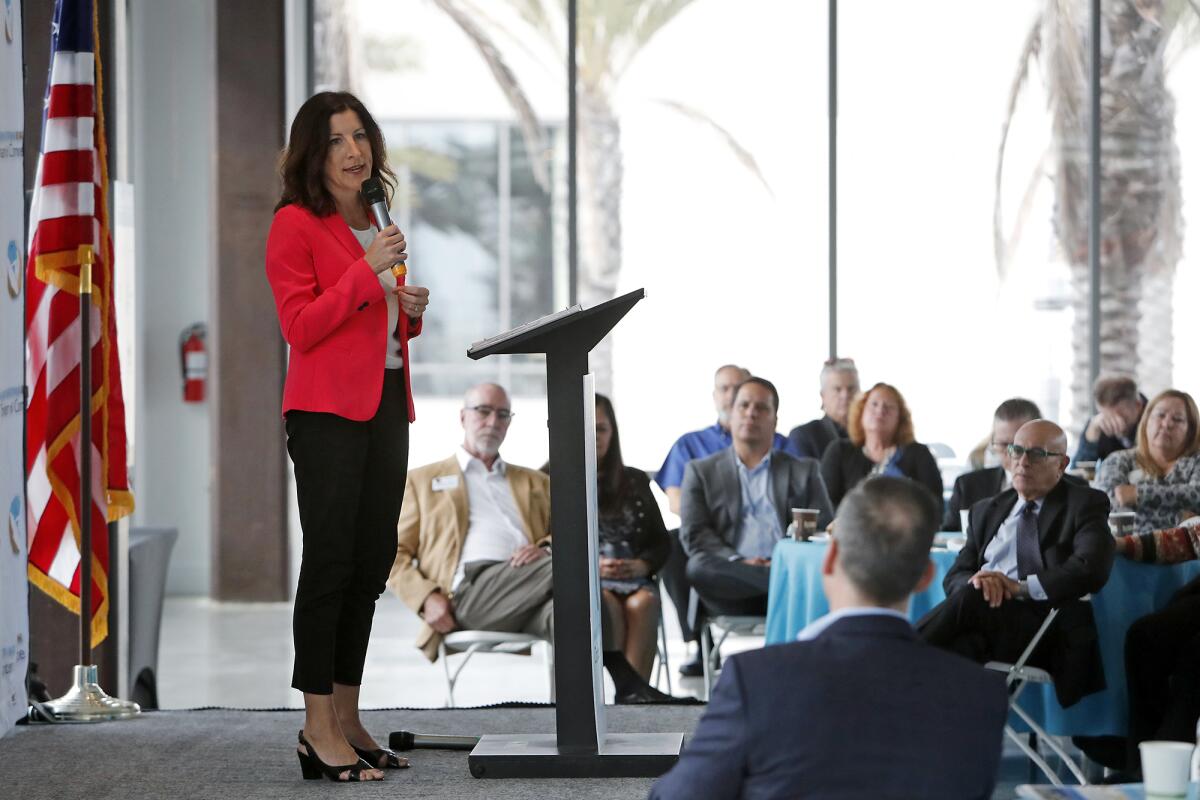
[71, 100]
[68, 166]
[62, 233]
[45, 542]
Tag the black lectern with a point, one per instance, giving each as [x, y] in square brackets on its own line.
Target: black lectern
[582, 746]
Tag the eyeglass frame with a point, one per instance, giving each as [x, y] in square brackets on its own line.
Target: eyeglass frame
[485, 411]
[1036, 454]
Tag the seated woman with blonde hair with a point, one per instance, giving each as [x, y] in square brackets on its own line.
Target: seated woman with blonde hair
[1159, 478]
[881, 442]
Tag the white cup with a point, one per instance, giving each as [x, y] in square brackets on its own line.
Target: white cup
[964, 516]
[1165, 768]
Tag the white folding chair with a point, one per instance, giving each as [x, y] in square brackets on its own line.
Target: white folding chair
[468, 643]
[1019, 675]
[727, 625]
[663, 666]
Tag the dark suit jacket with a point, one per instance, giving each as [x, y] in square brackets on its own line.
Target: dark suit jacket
[711, 500]
[865, 710]
[1077, 556]
[976, 485]
[811, 438]
[843, 465]
[969, 489]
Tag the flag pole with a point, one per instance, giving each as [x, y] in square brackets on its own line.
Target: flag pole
[85, 701]
[85, 457]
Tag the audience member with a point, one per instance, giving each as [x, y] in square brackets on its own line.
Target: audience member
[697, 444]
[978, 484]
[839, 387]
[737, 505]
[1114, 425]
[633, 545]
[1160, 477]
[859, 707]
[881, 442]
[473, 549]
[1043, 543]
[1165, 546]
[1162, 672]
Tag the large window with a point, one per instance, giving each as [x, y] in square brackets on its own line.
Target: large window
[482, 235]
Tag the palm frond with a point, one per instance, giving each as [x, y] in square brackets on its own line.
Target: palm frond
[1029, 54]
[649, 21]
[531, 127]
[741, 153]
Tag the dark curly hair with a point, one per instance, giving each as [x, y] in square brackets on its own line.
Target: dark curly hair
[302, 166]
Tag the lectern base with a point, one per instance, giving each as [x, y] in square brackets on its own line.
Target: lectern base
[623, 755]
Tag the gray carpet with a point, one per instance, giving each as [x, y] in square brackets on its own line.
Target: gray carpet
[245, 755]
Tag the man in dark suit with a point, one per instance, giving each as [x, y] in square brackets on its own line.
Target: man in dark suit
[737, 504]
[1113, 427]
[1043, 543]
[839, 387]
[971, 487]
[859, 707]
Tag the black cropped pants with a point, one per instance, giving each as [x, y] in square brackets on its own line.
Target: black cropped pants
[349, 487]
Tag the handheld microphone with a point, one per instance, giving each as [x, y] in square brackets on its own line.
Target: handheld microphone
[407, 740]
[372, 192]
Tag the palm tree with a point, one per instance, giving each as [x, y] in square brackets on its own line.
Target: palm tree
[610, 35]
[1142, 225]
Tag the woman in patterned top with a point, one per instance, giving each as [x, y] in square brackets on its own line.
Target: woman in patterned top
[1160, 477]
[633, 545]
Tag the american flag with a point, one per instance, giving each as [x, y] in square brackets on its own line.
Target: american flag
[68, 224]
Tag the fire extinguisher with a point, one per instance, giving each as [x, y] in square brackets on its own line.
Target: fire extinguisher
[193, 362]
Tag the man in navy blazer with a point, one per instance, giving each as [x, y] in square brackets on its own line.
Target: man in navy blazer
[859, 707]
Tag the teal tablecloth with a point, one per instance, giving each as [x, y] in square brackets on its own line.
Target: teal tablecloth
[1133, 591]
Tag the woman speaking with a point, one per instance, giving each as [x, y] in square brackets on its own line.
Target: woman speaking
[347, 404]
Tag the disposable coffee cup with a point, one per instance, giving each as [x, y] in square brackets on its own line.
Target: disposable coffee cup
[1122, 523]
[1165, 768]
[806, 523]
[964, 517]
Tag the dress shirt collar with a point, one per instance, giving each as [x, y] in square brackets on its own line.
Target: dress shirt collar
[758, 468]
[465, 459]
[1020, 505]
[817, 627]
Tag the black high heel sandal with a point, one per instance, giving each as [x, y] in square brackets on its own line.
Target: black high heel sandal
[313, 767]
[389, 758]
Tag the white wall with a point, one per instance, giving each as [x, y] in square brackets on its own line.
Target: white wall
[174, 155]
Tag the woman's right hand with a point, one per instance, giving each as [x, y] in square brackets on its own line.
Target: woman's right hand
[387, 249]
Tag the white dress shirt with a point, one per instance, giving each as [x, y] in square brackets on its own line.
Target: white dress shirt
[494, 527]
[1001, 553]
[818, 626]
[392, 359]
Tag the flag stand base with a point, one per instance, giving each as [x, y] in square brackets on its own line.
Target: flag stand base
[85, 701]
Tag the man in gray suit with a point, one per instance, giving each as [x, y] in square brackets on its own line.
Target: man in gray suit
[736, 505]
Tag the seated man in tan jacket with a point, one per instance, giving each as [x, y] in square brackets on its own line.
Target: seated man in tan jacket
[473, 545]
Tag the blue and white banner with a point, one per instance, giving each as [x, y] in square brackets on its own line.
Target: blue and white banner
[14, 591]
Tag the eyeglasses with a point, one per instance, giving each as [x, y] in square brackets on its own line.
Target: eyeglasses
[999, 448]
[502, 414]
[1167, 418]
[1036, 454]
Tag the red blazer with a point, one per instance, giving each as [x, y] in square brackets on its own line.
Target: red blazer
[332, 312]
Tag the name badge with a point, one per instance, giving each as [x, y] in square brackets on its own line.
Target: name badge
[443, 482]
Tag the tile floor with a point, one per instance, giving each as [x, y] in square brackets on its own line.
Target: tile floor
[239, 655]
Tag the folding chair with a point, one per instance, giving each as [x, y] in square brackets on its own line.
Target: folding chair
[468, 643]
[1018, 675]
[663, 666]
[728, 625]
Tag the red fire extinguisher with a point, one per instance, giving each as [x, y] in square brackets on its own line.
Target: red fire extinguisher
[193, 361]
